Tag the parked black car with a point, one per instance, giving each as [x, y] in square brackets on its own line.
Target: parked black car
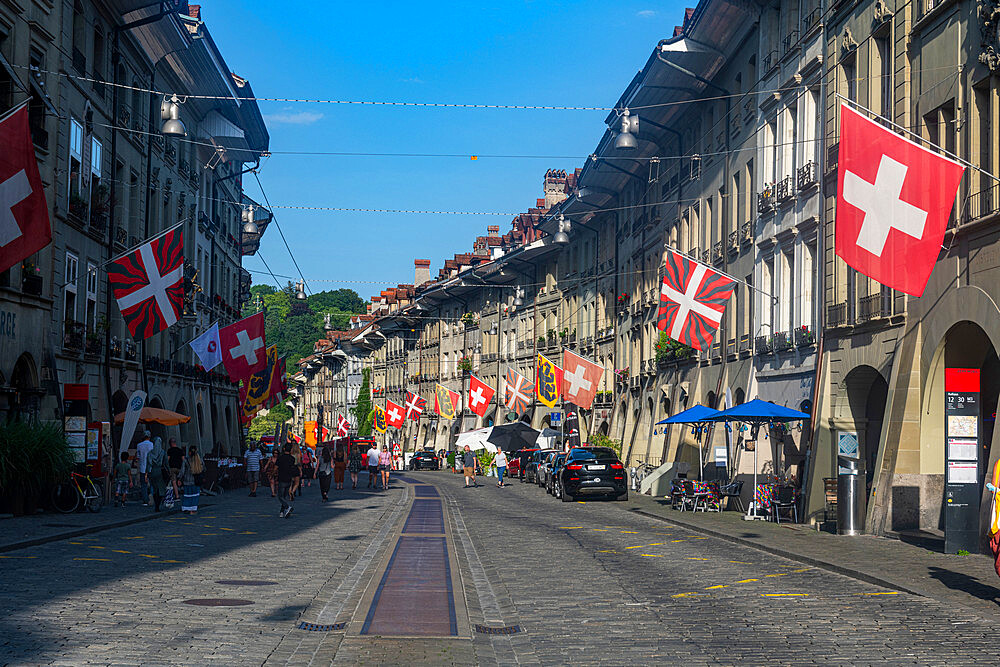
[531, 467]
[591, 471]
[425, 459]
[545, 469]
[519, 461]
[553, 473]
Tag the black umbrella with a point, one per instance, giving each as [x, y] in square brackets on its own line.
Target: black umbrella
[512, 437]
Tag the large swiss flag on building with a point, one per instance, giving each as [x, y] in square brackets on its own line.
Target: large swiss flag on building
[24, 215]
[394, 414]
[580, 379]
[893, 202]
[243, 350]
[480, 395]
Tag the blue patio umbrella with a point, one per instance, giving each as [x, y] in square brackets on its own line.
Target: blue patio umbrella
[695, 414]
[757, 412]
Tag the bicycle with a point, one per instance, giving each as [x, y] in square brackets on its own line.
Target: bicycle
[638, 472]
[67, 496]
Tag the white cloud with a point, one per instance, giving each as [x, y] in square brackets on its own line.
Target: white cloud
[288, 117]
[646, 13]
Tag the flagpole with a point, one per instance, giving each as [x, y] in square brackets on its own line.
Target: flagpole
[15, 109]
[917, 137]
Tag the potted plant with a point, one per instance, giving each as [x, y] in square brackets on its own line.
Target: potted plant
[33, 458]
[465, 364]
[93, 343]
[541, 340]
[563, 334]
[78, 207]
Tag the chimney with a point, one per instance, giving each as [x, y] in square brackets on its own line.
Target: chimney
[421, 271]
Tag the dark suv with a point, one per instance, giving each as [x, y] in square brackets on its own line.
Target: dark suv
[591, 471]
[425, 459]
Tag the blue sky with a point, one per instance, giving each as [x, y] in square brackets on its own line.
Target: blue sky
[538, 53]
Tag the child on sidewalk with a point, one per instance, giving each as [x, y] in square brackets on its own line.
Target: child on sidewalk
[123, 479]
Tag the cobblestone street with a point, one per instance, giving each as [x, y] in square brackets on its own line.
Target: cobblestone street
[575, 583]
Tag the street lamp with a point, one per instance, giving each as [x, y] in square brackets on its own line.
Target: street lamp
[170, 114]
[626, 140]
[249, 224]
[561, 237]
[300, 294]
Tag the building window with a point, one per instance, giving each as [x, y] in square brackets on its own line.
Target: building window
[91, 297]
[70, 276]
[75, 160]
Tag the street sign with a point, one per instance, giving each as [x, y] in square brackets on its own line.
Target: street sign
[961, 487]
[555, 418]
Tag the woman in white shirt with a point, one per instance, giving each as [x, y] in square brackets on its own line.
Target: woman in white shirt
[501, 463]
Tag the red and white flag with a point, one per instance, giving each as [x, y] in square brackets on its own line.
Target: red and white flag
[394, 414]
[342, 426]
[24, 215]
[580, 379]
[243, 349]
[894, 198]
[692, 300]
[415, 406]
[480, 395]
[149, 284]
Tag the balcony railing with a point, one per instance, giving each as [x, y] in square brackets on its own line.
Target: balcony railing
[765, 200]
[781, 341]
[804, 336]
[784, 189]
[769, 61]
[745, 343]
[836, 314]
[789, 42]
[874, 306]
[807, 176]
[981, 204]
[811, 19]
[717, 350]
[763, 345]
[731, 347]
[73, 336]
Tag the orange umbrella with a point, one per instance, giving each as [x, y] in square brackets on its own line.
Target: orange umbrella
[156, 416]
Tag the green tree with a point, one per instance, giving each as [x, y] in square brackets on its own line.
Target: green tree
[362, 411]
[265, 424]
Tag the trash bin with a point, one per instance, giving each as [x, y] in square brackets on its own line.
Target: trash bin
[848, 490]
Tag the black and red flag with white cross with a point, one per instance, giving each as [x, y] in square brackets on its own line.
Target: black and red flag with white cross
[692, 300]
[415, 406]
[148, 284]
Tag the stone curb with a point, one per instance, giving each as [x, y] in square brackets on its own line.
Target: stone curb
[70, 534]
[791, 555]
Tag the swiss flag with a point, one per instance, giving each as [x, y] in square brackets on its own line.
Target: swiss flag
[480, 395]
[243, 350]
[342, 425]
[693, 298]
[893, 202]
[580, 379]
[394, 414]
[24, 215]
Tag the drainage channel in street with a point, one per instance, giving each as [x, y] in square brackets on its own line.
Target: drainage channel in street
[415, 594]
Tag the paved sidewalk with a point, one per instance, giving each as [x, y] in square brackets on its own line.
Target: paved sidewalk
[27, 531]
[969, 581]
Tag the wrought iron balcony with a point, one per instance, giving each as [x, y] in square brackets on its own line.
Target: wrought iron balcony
[874, 307]
[781, 341]
[789, 42]
[784, 189]
[807, 176]
[763, 345]
[804, 336]
[769, 61]
[836, 314]
[765, 200]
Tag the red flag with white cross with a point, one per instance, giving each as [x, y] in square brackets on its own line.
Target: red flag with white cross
[394, 414]
[894, 198]
[342, 425]
[415, 406]
[24, 215]
[480, 395]
[580, 379]
[148, 284]
[243, 349]
[693, 298]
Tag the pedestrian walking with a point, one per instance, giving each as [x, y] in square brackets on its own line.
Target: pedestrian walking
[469, 465]
[993, 487]
[288, 472]
[373, 467]
[175, 457]
[191, 471]
[123, 479]
[307, 467]
[339, 466]
[271, 472]
[324, 470]
[252, 460]
[355, 462]
[385, 465]
[158, 473]
[501, 463]
[142, 451]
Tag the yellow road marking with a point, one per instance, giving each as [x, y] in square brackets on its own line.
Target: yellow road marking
[106, 560]
[653, 556]
[630, 532]
[676, 540]
[782, 574]
[739, 562]
[607, 551]
[135, 537]
[172, 561]
[121, 551]
[94, 546]
[695, 558]
[569, 527]
[582, 502]
[785, 595]
[746, 581]
[717, 586]
[77, 543]
[656, 544]
[208, 534]
[148, 556]
[804, 569]
[600, 530]
[878, 593]
[699, 538]
[245, 532]
[684, 595]
[225, 528]
[18, 556]
[173, 536]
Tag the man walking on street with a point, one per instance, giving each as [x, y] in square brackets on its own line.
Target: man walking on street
[288, 470]
[469, 464]
[253, 458]
[373, 467]
[142, 453]
[175, 457]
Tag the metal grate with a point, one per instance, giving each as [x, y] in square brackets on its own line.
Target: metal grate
[502, 630]
[315, 627]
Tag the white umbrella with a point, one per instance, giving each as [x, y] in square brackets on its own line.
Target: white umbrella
[476, 439]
